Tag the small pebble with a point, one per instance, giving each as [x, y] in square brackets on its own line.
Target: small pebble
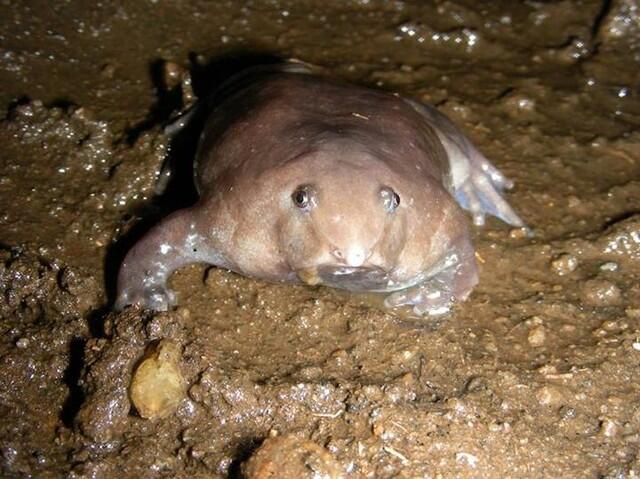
[609, 428]
[564, 264]
[609, 266]
[183, 313]
[171, 74]
[338, 358]
[549, 396]
[22, 343]
[547, 369]
[519, 233]
[573, 201]
[567, 412]
[289, 457]
[158, 387]
[601, 292]
[310, 373]
[632, 313]
[466, 458]
[108, 70]
[537, 336]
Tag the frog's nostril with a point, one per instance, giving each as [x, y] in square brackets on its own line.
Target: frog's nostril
[353, 257]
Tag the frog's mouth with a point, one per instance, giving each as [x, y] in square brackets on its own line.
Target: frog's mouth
[367, 278]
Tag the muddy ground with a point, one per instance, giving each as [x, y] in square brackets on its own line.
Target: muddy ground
[534, 376]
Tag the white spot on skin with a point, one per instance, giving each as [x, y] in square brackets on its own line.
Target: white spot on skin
[192, 240]
[165, 248]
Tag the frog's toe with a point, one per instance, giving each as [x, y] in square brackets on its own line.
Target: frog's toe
[468, 198]
[425, 300]
[496, 177]
[156, 299]
[480, 194]
[403, 298]
[160, 299]
[433, 308]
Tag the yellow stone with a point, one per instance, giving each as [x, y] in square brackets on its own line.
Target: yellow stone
[157, 386]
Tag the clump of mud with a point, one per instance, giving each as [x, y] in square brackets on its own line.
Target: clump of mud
[533, 376]
[44, 330]
[64, 165]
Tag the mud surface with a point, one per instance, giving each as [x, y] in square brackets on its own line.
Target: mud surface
[534, 376]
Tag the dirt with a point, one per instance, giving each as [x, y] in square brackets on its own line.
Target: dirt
[533, 376]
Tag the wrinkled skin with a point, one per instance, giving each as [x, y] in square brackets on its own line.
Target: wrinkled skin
[304, 180]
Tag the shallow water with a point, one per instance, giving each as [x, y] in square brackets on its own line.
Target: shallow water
[533, 376]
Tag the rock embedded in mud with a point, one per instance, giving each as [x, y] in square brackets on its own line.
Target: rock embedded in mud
[157, 386]
[172, 74]
[537, 336]
[622, 241]
[609, 427]
[601, 292]
[609, 266]
[550, 396]
[289, 457]
[564, 264]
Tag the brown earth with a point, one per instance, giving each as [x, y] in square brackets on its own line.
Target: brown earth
[534, 376]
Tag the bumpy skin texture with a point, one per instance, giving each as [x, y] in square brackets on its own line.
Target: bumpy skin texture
[305, 180]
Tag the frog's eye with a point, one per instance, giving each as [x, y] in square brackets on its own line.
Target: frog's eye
[303, 197]
[390, 199]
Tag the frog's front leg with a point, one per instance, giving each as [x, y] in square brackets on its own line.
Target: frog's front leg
[453, 278]
[174, 242]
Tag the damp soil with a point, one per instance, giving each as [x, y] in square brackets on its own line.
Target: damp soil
[534, 376]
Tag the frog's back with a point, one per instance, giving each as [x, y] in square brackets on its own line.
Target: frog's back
[279, 116]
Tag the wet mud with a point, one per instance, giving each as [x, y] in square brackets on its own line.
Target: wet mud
[534, 376]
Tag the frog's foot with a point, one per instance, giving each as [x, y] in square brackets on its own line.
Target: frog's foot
[480, 192]
[477, 184]
[451, 280]
[156, 298]
[171, 244]
[431, 297]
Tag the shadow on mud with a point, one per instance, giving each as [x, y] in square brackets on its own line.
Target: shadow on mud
[71, 378]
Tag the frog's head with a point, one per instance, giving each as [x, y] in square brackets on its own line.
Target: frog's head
[343, 220]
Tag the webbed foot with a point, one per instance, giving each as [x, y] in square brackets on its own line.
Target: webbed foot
[450, 281]
[476, 184]
[431, 297]
[480, 192]
[156, 298]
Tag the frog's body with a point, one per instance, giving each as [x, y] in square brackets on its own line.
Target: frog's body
[305, 180]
